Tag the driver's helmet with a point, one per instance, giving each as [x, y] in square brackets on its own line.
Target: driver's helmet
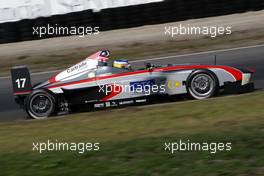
[103, 57]
[121, 63]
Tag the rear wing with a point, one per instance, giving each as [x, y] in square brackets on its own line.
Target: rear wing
[21, 80]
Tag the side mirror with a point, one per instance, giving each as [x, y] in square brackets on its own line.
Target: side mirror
[149, 66]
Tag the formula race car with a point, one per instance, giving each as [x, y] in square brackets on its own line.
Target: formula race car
[96, 82]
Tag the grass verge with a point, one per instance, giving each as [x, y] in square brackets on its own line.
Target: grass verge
[132, 139]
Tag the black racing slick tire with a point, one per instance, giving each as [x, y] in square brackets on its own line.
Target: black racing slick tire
[202, 84]
[40, 104]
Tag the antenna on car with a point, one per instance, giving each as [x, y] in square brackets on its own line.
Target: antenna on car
[215, 59]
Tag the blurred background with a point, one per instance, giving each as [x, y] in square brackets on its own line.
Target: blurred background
[17, 17]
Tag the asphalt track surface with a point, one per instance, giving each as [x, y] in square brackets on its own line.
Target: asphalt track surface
[246, 57]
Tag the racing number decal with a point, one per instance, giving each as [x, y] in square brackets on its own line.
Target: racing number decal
[21, 82]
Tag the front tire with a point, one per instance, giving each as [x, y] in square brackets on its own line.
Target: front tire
[202, 84]
[40, 105]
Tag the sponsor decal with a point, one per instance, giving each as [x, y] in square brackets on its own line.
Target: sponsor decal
[141, 101]
[77, 67]
[90, 101]
[126, 102]
[141, 84]
[173, 84]
[99, 105]
[113, 104]
[107, 104]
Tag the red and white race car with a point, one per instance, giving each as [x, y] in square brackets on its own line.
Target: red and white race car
[95, 81]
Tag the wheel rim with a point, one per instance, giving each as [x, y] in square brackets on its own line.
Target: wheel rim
[41, 106]
[202, 85]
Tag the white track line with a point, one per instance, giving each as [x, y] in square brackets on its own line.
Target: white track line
[199, 53]
[166, 57]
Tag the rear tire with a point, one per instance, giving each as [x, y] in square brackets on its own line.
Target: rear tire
[40, 105]
[202, 84]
